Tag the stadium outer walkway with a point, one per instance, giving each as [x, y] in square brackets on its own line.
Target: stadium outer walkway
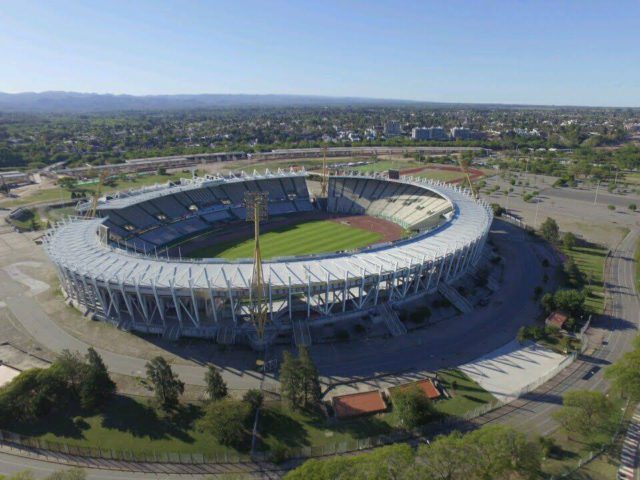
[448, 343]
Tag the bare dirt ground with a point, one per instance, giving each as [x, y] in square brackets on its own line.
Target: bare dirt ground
[389, 230]
[473, 172]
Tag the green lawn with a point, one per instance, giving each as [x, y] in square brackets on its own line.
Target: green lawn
[127, 424]
[465, 397]
[318, 236]
[283, 426]
[590, 262]
[56, 193]
[383, 165]
[443, 175]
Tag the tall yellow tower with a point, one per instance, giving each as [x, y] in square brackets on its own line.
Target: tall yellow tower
[256, 204]
[325, 177]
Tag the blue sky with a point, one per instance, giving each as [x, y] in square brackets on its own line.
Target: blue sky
[558, 52]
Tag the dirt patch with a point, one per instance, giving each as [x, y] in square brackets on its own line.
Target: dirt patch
[473, 172]
[389, 230]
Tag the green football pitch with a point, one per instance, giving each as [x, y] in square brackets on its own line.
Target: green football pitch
[318, 236]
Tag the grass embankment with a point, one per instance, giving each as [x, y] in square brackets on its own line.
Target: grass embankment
[127, 424]
[280, 426]
[59, 194]
[130, 424]
[465, 397]
[590, 262]
[305, 238]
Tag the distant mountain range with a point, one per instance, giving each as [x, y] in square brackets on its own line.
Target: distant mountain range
[73, 102]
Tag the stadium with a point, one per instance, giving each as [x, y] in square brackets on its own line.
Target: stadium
[173, 260]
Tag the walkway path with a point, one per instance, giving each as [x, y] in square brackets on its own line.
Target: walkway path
[629, 454]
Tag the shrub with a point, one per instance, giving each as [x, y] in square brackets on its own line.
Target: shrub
[254, 398]
[229, 421]
[342, 335]
[412, 406]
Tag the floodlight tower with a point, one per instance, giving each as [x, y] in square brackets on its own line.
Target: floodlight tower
[256, 204]
[93, 208]
[325, 177]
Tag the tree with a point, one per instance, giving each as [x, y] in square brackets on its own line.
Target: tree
[548, 302]
[166, 385]
[312, 392]
[446, 456]
[229, 421]
[68, 183]
[254, 398]
[97, 387]
[569, 240]
[291, 381]
[299, 380]
[585, 413]
[72, 367]
[498, 451]
[72, 474]
[412, 406]
[571, 301]
[633, 207]
[625, 373]
[216, 386]
[550, 230]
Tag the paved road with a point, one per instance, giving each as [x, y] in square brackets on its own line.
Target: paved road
[616, 329]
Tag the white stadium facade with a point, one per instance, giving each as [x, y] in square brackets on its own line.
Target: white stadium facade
[117, 267]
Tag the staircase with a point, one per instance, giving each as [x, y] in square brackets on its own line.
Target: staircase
[392, 321]
[226, 334]
[451, 294]
[301, 332]
[172, 332]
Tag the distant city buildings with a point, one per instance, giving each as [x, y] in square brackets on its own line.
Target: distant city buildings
[429, 133]
[392, 129]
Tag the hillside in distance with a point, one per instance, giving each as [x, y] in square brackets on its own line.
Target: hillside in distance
[74, 102]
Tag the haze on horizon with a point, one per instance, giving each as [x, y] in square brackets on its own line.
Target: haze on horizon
[534, 53]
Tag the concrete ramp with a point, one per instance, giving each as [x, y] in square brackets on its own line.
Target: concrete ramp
[392, 321]
[226, 335]
[301, 333]
[455, 298]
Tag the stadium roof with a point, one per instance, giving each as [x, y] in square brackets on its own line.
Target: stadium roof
[76, 245]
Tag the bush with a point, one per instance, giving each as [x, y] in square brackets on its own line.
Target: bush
[342, 335]
[412, 406]
[254, 398]
[229, 421]
[611, 207]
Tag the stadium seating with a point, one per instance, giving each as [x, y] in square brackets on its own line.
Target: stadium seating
[408, 205]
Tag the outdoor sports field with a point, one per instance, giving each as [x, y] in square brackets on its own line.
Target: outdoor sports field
[317, 236]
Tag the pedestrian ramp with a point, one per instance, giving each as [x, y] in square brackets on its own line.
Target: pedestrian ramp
[226, 335]
[451, 294]
[391, 320]
[301, 332]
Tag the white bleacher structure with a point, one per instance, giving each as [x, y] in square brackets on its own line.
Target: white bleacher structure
[113, 267]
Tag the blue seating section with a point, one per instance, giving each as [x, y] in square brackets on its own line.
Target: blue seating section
[163, 220]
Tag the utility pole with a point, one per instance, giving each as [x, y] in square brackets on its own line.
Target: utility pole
[535, 221]
[257, 204]
[595, 200]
